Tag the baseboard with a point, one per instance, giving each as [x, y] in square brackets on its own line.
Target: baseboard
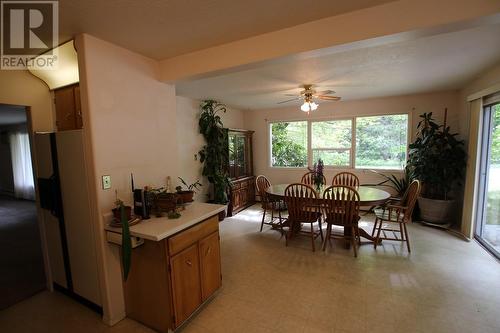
[115, 320]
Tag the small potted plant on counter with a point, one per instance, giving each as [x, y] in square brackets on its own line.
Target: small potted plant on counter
[117, 210]
[186, 195]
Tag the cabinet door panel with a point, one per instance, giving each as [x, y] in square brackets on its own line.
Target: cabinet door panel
[65, 109]
[78, 108]
[186, 289]
[210, 265]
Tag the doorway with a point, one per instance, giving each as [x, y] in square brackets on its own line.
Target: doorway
[488, 226]
[21, 258]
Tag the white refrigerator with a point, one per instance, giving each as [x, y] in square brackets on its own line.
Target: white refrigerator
[64, 198]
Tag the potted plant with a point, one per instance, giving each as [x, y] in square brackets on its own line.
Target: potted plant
[398, 184]
[117, 210]
[438, 160]
[124, 215]
[186, 196]
[318, 174]
[214, 155]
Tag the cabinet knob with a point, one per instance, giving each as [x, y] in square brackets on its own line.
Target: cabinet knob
[189, 263]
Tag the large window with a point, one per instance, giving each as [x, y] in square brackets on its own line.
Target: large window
[331, 141]
[381, 141]
[289, 144]
[371, 142]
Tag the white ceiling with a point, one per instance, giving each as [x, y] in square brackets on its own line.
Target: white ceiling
[440, 62]
[12, 114]
[161, 28]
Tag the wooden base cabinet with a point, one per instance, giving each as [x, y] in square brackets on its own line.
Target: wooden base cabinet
[170, 279]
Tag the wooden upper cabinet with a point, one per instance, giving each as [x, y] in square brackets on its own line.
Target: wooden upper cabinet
[186, 288]
[210, 265]
[68, 108]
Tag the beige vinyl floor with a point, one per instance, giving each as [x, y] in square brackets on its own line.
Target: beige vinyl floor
[444, 285]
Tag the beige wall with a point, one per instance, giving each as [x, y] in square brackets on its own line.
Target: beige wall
[190, 140]
[414, 104]
[22, 88]
[130, 127]
[485, 80]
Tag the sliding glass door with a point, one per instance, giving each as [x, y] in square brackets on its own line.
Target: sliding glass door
[488, 226]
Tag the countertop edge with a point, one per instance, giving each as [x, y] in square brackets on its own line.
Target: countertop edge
[170, 232]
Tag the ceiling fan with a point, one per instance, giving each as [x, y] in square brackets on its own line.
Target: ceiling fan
[308, 95]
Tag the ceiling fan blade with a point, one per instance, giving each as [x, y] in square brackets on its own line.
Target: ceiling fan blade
[296, 95]
[289, 100]
[328, 98]
[325, 92]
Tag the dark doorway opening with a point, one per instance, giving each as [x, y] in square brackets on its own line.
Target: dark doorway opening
[21, 261]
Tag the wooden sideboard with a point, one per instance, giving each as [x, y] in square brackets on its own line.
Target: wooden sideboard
[242, 193]
[171, 278]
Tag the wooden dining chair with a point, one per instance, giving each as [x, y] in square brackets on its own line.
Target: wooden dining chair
[301, 201]
[399, 213]
[268, 202]
[308, 178]
[341, 208]
[346, 179]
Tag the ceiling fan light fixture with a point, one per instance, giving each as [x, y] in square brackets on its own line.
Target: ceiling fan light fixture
[308, 106]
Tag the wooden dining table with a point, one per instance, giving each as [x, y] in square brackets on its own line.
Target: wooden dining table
[368, 197]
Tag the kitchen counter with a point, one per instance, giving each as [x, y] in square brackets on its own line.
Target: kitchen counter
[159, 228]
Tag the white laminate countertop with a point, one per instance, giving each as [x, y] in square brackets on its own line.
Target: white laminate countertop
[158, 228]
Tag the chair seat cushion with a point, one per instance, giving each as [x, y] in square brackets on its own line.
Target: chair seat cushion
[383, 214]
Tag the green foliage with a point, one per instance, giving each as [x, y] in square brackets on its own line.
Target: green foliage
[289, 144]
[495, 140]
[191, 187]
[436, 158]
[126, 243]
[214, 154]
[381, 141]
[399, 184]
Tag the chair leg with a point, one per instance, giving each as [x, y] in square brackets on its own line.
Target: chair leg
[263, 217]
[321, 230]
[353, 242]
[374, 226]
[406, 236]
[327, 235]
[378, 234]
[312, 237]
[401, 231]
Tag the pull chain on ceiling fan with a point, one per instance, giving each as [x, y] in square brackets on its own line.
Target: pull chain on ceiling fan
[308, 95]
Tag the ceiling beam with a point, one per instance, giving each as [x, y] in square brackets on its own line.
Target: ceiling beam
[366, 24]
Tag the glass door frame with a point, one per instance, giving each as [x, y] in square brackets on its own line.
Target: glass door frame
[485, 153]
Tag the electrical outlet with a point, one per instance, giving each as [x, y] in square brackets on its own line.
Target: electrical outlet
[106, 182]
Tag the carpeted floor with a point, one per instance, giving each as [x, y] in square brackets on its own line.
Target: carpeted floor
[21, 263]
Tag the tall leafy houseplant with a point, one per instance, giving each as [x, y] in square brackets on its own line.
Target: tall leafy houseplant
[437, 158]
[214, 155]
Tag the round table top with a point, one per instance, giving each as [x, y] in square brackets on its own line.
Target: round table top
[368, 196]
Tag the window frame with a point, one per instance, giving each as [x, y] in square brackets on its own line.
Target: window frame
[270, 141]
[353, 140]
[351, 149]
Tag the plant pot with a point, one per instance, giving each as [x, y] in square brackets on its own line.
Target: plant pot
[185, 196]
[222, 215]
[128, 213]
[436, 211]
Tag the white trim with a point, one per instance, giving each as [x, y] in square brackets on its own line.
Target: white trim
[485, 92]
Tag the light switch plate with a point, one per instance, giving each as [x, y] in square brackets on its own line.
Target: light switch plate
[106, 182]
